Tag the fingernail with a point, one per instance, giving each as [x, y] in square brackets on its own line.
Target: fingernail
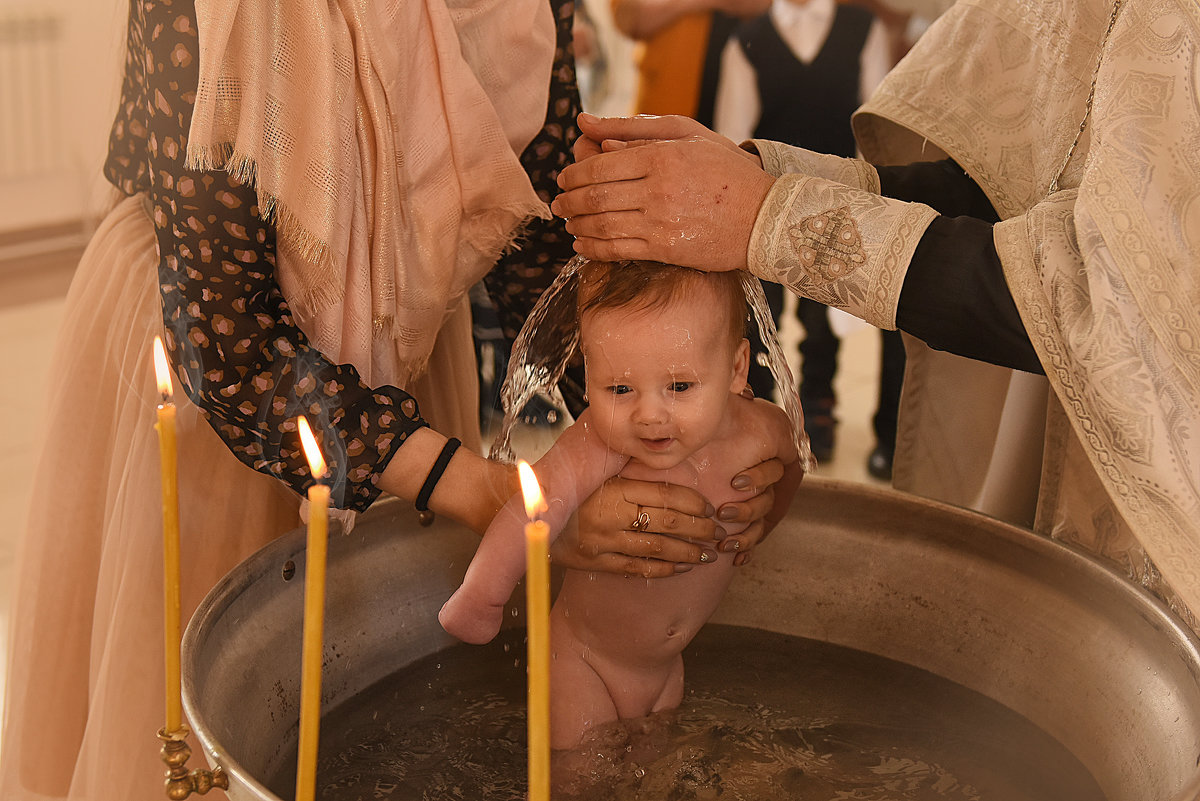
[585, 116]
[683, 568]
[709, 510]
[707, 556]
[719, 533]
[741, 482]
[729, 545]
[727, 513]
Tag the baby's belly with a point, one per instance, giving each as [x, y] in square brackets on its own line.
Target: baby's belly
[641, 621]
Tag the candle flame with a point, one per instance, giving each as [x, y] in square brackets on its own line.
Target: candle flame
[535, 504]
[316, 463]
[162, 372]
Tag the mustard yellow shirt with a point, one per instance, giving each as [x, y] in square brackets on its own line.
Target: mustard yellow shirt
[671, 66]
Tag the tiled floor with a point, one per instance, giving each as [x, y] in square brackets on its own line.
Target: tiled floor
[31, 307]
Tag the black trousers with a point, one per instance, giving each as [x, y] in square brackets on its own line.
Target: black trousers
[819, 360]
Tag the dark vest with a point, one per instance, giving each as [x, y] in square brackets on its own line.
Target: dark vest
[719, 32]
[808, 105]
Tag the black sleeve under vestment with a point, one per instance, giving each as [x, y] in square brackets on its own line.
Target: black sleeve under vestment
[955, 297]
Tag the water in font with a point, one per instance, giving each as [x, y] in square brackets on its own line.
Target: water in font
[766, 716]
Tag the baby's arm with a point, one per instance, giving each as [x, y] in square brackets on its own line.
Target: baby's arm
[574, 467]
[793, 468]
[785, 490]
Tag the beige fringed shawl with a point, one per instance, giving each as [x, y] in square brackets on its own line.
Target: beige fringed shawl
[1105, 271]
[383, 138]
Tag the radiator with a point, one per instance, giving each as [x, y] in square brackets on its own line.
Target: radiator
[31, 116]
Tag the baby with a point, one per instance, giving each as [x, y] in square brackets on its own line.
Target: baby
[665, 360]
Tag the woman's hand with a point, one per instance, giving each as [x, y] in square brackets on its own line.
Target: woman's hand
[758, 483]
[621, 528]
[691, 201]
[651, 529]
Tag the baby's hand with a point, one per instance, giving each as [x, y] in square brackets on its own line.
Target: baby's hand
[473, 622]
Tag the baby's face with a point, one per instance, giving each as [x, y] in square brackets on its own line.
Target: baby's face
[659, 381]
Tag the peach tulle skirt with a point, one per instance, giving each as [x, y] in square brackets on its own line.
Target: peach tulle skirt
[85, 691]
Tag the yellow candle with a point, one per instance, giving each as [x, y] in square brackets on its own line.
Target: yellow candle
[537, 609]
[314, 619]
[170, 510]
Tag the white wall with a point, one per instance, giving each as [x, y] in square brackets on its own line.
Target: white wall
[80, 79]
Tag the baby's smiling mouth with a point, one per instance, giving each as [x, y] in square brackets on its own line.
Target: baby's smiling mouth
[659, 444]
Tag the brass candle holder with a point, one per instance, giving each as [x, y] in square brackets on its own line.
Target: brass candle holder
[180, 781]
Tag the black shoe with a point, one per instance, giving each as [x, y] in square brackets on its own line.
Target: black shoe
[540, 412]
[819, 422]
[879, 464]
[821, 445]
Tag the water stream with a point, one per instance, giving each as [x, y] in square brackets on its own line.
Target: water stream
[550, 339]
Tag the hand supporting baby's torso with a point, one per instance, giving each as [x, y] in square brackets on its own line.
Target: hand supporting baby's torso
[653, 619]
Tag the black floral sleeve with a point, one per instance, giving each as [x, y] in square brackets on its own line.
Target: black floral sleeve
[231, 337]
[521, 276]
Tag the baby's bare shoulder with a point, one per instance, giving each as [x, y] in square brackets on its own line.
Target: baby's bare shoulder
[763, 427]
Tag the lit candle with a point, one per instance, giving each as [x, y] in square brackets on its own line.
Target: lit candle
[314, 618]
[170, 511]
[537, 612]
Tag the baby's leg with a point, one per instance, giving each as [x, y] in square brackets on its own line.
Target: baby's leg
[672, 689]
[476, 609]
[640, 689]
[579, 699]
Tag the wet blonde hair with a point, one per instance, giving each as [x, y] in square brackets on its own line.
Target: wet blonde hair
[650, 285]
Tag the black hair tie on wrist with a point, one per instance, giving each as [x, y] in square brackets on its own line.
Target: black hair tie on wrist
[435, 475]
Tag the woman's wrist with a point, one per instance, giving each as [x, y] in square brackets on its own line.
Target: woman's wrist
[470, 489]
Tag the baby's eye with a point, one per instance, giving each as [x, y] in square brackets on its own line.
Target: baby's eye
[619, 389]
[681, 386]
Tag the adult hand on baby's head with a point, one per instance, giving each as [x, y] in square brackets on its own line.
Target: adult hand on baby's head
[606, 540]
[688, 201]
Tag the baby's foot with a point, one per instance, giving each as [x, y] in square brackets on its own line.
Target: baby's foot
[474, 622]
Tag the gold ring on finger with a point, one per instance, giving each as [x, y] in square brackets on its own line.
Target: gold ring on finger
[642, 521]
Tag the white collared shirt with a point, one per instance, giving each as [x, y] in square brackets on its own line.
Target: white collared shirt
[804, 28]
